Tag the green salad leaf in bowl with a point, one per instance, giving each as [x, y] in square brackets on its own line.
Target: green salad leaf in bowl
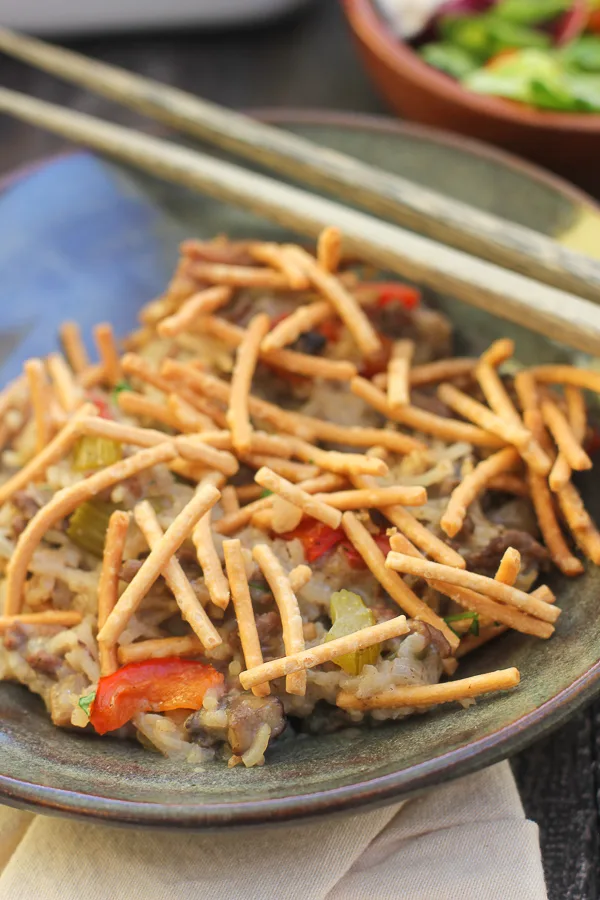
[543, 53]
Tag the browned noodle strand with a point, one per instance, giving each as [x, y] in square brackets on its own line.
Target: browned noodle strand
[63, 503]
[396, 588]
[108, 585]
[421, 420]
[216, 418]
[161, 558]
[430, 694]
[503, 593]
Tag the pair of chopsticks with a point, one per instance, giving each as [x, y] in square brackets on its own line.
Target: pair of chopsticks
[541, 288]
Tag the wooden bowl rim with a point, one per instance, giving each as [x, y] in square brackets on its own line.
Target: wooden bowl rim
[373, 31]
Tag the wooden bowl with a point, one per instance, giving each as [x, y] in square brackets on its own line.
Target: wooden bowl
[568, 143]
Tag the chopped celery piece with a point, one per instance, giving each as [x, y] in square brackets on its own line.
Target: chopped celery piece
[88, 525]
[454, 61]
[92, 452]
[348, 614]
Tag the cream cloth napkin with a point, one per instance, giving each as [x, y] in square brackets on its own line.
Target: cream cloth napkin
[468, 840]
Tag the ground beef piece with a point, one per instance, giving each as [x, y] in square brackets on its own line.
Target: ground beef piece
[62, 596]
[129, 569]
[15, 637]
[25, 504]
[382, 612]
[516, 514]
[187, 554]
[260, 593]
[430, 403]
[433, 637]
[245, 715]
[134, 485]
[191, 568]
[26, 507]
[208, 728]
[42, 661]
[237, 722]
[268, 626]
[467, 531]
[432, 332]
[487, 560]
[18, 525]
[310, 342]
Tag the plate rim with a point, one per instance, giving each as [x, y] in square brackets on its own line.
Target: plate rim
[372, 791]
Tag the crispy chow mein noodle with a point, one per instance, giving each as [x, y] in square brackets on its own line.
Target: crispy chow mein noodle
[279, 259]
[108, 585]
[287, 604]
[438, 693]
[40, 396]
[242, 602]
[66, 389]
[398, 384]
[287, 507]
[498, 352]
[109, 354]
[577, 419]
[74, 348]
[329, 249]
[191, 609]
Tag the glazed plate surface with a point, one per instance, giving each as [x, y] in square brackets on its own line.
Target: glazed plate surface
[80, 238]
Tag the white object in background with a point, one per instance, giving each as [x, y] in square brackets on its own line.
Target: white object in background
[84, 16]
[408, 17]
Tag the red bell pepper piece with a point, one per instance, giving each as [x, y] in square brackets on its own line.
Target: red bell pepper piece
[153, 685]
[388, 292]
[355, 560]
[331, 330]
[101, 405]
[315, 537]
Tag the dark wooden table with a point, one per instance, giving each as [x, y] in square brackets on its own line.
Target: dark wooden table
[309, 61]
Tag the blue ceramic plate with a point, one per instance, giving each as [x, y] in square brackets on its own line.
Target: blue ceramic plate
[83, 239]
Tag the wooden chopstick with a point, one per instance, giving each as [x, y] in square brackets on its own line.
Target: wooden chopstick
[553, 313]
[389, 196]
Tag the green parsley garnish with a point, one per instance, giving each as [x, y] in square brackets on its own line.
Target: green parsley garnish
[86, 702]
[459, 617]
[121, 386]
[257, 586]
